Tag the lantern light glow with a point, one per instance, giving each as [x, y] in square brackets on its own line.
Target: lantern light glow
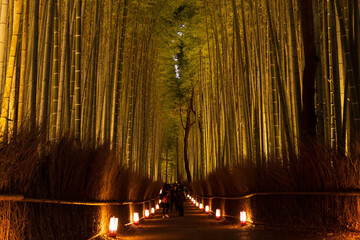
[113, 226]
[201, 206]
[157, 207]
[218, 214]
[152, 211]
[147, 213]
[243, 218]
[207, 209]
[197, 204]
[136, 218]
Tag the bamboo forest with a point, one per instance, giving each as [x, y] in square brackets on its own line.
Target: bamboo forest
[228, 97]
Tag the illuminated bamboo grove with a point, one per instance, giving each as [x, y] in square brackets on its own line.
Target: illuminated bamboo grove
[254, 79]
[269, 76]
[91, 69]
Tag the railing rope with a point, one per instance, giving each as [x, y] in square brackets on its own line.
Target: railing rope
[274, 194]
[21, 198]
[11, 197]
[349, 194]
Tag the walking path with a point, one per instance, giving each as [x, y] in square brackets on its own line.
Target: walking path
[196, 225]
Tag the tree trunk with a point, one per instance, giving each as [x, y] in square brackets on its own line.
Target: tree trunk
[187, 129]
[24, 63]
[46, 70]
[3, 41]
[119, 67]
[311, 62]
[77, 89]
[64, 58]
[34, 60]
[9, 73]
[56, 73]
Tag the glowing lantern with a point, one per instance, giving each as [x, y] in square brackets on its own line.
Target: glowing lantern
[207, 209]
[147, 213]
[159, 201]
[157, 206]
[201, 206]
[218, 214]
[136, 218]
[197, 204]
[113, 226]
[152, 211]
[188, 196]
[243, 218]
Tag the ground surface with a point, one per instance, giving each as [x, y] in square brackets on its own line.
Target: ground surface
[196, 225]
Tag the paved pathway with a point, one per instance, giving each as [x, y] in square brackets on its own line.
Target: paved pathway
[196, 225]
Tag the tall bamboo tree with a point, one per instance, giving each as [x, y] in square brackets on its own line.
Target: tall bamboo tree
[10, 73]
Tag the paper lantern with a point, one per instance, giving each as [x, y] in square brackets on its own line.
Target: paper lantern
[147, 213]
[201, 206]
[207, 209]
[197, 204]
[136, 218]
[218, 214]
[243, 218]
[157, 206]
[152, 211]
[113, 226]
[159, 201]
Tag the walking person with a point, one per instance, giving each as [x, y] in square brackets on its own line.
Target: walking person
[164, 196]
[180, 199]
[173, 197]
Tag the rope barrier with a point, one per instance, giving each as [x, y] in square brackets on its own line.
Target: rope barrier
[21, 198]
[338, 194]
[11, 197]
[342, 194]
